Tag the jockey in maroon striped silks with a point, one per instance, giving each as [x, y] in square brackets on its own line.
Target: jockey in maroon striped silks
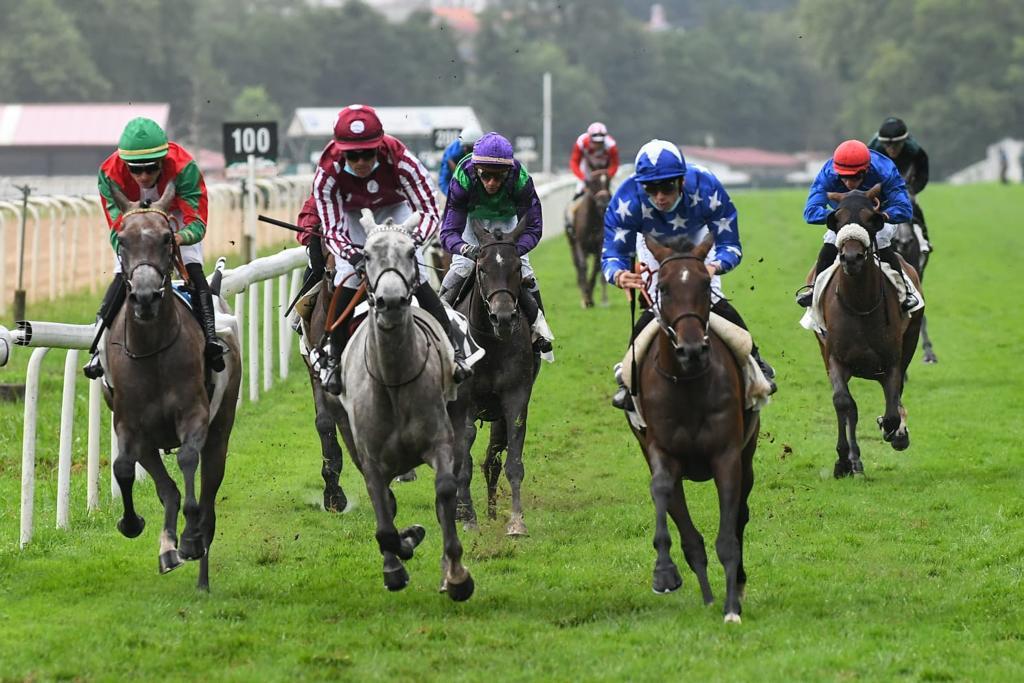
[362, 168]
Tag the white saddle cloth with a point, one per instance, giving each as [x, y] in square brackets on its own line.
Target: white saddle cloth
[813, 318]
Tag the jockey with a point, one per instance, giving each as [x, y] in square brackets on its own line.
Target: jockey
[895, 141]
[141, 168]
[492, 185]
[854, 167]
[594, 150]
[362, 168]
[665, 198]
[454, 152]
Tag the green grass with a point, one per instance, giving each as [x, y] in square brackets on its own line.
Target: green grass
[911, 573]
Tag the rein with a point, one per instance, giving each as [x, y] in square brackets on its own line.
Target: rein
[486, 298]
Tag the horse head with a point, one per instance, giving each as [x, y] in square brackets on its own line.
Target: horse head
[684, 299]
[499, 274]
[599, 187]
[392, 272]
[855, 222]
[146, 249]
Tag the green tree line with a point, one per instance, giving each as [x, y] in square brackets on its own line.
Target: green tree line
[779, 74]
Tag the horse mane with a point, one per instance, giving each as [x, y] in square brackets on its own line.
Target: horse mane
[679, 243]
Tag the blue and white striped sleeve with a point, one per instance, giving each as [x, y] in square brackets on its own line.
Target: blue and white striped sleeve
[621, 225]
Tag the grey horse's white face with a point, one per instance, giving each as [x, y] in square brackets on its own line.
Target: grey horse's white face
[392, 272]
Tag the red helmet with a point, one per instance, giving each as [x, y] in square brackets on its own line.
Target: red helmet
[358, 127]
[851, 157]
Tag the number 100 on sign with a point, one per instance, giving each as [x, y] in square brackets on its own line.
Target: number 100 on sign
[243, 139]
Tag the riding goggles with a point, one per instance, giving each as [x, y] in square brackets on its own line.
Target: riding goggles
[360, 154]
[138, 169]
[491, 175]
[668, 186]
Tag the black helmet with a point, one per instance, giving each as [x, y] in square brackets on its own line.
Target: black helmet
[892, 130]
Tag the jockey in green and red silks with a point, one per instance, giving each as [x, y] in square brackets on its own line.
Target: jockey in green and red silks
[144, 163]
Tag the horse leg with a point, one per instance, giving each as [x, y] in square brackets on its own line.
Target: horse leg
[747, 485]
[926, 343]
[893, 423]
[665, 477]
[455, 578]
[693, 543]
[191, 546]
[464, 510]
[604, 292]
[327, 430]
[170, 497]
[131, 524]
[492, 464]
[595, 271]
[214, 459]
[843, 402]
[579, 260]
[514, 470]
[394, 547]
[727, 469]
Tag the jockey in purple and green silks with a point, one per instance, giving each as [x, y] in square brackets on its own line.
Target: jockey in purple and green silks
[144, 163]
[491, 186]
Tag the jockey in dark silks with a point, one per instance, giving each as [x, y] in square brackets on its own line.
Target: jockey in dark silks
[895, 141]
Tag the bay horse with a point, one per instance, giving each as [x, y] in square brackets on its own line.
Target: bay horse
[907, 245]
[866, 335]
[691, 394]
[397, 371]
[499, 390]
[586, 235]
[157, 390]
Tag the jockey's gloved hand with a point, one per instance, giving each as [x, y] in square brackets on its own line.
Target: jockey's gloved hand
[470, 251]
[358, 262]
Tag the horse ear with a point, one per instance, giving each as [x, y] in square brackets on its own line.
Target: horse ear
[658, 250]
[836, 196]
[366, 220]
[874, 193]
[476, 225]
[702, 249]
[122, 202]
[830, 221]
[167, 198]
[520, 227]
[410, 225]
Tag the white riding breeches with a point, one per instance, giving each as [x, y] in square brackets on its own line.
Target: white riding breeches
[344, 273]
[883, 237]
[645, 256]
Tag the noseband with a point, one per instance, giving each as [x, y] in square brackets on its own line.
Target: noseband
[165, 275]
[479, 287]
[410, 289]
[669, 326]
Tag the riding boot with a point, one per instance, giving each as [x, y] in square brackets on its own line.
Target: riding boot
[430, 302]
[213, 351]
[888, 255]
[450, 292]
[622, 399]
[113, 299]
[826, 257]
[330, 374]
[530, 302]
[725, 309]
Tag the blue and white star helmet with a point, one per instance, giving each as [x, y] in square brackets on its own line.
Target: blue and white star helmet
[659, 160]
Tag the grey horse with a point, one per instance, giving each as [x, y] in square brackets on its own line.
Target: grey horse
[502, 382]
[397, 370]
[158, 391]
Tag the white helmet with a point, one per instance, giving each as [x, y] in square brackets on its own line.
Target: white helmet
[470, 134]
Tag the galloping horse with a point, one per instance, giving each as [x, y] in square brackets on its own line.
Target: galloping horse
[867, 335]
[154, 357]
[907, 245]
[586, 234]
[397, 370]
[499, 391]
[691, 394]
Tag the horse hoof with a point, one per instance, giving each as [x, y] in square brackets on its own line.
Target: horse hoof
[666, 580]
[733, 618]
[413, 534]
[396, 579]
[516, 527]
[901, 442]
[460, 592]
[190, 549]
[169, 561]
[335, 502]
[470, 525]
[842, 469]
[408, 476]
[929, 359]
[857, 467]
[131, 529]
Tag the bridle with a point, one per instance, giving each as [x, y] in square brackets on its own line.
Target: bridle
[669, 326]
[501, 290]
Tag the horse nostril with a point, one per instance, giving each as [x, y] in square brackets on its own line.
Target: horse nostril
[494, 318]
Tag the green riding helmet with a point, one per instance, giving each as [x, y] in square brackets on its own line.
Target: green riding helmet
[142, 140]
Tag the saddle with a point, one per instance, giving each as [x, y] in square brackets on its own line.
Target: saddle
[757, 388]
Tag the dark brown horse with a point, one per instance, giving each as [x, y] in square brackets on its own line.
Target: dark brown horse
[691, 395]
[586, 235]
[499, 391]
[154, 352]
[907, 245]
[867, 335]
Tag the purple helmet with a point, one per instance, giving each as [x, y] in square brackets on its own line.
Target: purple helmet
[493, 149]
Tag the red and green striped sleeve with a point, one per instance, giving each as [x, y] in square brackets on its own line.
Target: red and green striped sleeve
[110, 208]
[191, 200]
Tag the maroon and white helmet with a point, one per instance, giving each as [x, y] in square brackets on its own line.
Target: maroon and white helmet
[597, 131]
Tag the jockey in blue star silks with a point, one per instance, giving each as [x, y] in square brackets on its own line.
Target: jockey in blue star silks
[854, 167]
[665, 198]
[453, 154]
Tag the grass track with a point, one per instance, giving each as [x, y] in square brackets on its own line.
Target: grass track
[912, 573]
